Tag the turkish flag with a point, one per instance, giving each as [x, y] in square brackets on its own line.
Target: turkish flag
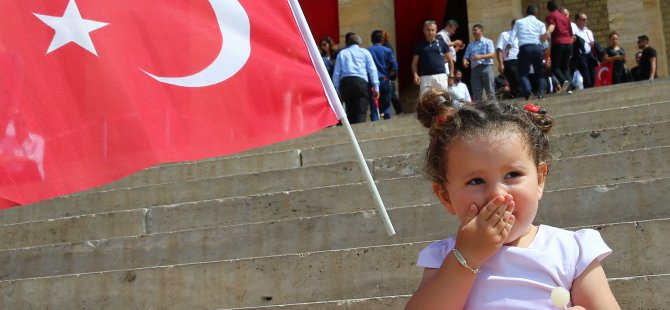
[92, 91]
[604, 74]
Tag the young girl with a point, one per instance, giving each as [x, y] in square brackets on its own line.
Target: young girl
[488, 163]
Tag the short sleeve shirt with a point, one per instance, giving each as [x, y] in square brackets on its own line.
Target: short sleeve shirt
[431, 56]
[523, 278]
[645, 62]
[618, 66]
[562, 33]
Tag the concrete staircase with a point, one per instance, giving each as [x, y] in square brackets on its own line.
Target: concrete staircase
[292, 226]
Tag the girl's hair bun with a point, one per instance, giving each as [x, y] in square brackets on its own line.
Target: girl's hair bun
[539, 116]
[434, 109]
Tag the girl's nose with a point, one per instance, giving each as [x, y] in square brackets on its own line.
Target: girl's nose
[497, 189]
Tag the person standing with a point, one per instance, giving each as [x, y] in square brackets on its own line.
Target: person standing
[647, 60]
[561, 43]
[479, 54]
[328, 53]
[508, 62]
[615, 53]
[586, 63]
[394, 96]
[445, 34]
[354, 67]
[530, 32]
[387, 66]
[428, 61]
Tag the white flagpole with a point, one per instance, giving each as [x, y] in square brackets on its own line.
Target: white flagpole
[336, 105]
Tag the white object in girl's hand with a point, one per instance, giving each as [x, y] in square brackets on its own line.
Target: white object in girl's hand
[560, 297]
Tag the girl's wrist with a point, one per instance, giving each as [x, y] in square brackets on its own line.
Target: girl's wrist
[464, 262]
[471, 257]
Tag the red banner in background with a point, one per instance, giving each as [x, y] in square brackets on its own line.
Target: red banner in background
[323, 18]
[93, 91]
[409, 18]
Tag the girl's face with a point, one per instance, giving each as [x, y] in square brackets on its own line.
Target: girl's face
[484, 168]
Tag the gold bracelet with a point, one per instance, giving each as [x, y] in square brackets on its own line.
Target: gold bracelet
[461, 260]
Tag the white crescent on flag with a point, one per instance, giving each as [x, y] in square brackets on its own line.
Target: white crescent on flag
[601, 71]
[236, 48]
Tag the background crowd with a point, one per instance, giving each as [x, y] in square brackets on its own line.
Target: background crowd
[534, 58]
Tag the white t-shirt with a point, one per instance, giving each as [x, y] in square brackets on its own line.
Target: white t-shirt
[445, 35]
[523, 278]
[503, 40]
[585, 34]
[459, 92]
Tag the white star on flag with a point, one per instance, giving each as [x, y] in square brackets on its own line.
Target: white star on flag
[71, 28]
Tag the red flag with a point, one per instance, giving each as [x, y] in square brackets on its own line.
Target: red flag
[604, 74]
[92, 91]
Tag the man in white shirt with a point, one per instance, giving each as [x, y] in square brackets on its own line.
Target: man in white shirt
[585, 62]
[530, 32]
[459, 91]
[445, 34]
[508, 63]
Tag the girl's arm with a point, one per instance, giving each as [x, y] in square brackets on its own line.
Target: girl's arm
[591, 290]
[445, 288]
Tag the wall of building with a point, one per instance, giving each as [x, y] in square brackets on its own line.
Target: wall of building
[495, 16]
[364, 16]
[633, 18]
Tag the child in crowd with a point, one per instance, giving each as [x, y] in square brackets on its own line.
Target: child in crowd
[488, 163]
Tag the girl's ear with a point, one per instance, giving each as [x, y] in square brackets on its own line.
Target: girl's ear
[442, 194]
[542, 171]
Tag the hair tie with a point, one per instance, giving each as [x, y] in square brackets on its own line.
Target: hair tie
[442, 119]
[534, 109]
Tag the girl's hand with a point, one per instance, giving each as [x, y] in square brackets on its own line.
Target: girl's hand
[576, 308]
[485, 231]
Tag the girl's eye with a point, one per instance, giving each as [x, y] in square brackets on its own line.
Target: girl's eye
[513, 174]
[476, 181]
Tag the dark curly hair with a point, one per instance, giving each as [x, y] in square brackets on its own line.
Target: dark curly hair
[447, 124]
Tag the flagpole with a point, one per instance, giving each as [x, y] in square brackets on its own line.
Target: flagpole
[336, 105]
[368, 178]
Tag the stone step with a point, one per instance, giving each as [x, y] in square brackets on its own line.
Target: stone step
[611, 118]
[586, 104]
[565, 173]
[611, 140]
[624, 92]
[566, 145]
[299, 278]
[576, 207]
[384, 145]
[642, 292]
[218, 167]
[407, 124]
[648, 163]
[189, 191]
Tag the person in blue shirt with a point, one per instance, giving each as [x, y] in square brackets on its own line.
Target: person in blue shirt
[479, 54]
[328, 53]
[387, 68]
[428, 61]
[354, 68]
